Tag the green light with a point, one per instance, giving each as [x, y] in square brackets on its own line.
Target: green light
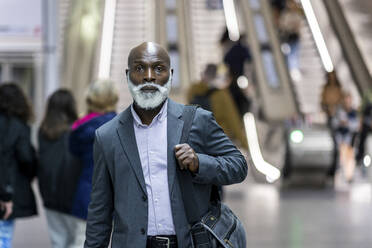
[297, 136]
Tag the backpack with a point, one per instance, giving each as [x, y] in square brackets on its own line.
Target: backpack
[203, 100]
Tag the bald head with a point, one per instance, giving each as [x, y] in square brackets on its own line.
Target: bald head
[149, 75]
[148, 51]
[149, 63]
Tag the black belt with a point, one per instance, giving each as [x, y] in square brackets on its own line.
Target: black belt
[162, 241]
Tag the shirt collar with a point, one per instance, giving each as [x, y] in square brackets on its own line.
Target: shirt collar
[159, 117]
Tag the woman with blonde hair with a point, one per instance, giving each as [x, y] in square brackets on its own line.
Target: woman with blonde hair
[101, 100]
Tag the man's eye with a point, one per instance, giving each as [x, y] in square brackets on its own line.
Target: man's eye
[159, 68]
[139, 68]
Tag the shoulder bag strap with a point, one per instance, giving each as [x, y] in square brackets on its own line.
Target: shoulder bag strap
[184, 176]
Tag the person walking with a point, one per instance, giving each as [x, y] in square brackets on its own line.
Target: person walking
[331, 98]
[101, 100]
[219, 101]
[365, 126]
[58, 171]
[17, 160]
[136, 190]
[346, 125]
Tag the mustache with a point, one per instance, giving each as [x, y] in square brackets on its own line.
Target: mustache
[149, 99]
[151, 85]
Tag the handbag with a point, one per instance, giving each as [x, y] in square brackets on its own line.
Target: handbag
[219, 227]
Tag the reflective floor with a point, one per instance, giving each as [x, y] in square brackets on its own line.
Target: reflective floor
[305, 216]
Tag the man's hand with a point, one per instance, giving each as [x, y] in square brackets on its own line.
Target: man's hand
[8, 207]
[187, 158]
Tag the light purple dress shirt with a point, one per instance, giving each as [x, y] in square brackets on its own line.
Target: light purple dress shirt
[152, 148]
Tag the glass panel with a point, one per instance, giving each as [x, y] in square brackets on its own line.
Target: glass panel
[175, 63]
[255, 4]
[171, 4]
[172, 29]
[214, 4]
[271, 73]
[260, 29]
[24, 77]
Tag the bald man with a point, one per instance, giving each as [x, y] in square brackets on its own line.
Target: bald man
[135, 186]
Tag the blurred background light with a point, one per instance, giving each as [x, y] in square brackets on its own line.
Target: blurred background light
[88, 26]
[243, 82]
[231, 20]
[317, 34]
[271, 172]
[367, 161]
[297, 136]
[107, 39]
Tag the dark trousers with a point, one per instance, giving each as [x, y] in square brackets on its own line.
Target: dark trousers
[366, 129]
[333, 167]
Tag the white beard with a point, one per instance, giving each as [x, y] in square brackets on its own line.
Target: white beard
[149, 100]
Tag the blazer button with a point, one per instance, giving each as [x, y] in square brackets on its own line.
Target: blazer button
[144, 198]
[143, 231]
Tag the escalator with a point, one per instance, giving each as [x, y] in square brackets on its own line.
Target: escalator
[345, 56]
[351, 50]
[278, 101]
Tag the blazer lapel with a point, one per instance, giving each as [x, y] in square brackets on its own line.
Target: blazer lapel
[129, 145]
[174, 132]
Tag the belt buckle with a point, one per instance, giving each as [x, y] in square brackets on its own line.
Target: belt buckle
[164, 238]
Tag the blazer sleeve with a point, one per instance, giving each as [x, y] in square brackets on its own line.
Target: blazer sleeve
[99, 222]
[221, 163]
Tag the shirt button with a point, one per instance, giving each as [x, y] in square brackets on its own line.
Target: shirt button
[144, 198]
[143, 231]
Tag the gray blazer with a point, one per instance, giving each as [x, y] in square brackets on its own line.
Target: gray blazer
[119, 194]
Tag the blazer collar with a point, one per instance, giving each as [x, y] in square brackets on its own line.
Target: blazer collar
[174, 132]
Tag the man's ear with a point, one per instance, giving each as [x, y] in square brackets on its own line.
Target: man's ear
[126, 74]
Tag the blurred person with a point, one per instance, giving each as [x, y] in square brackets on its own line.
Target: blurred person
[289, 29]
[236, 55]
[58, 171]
[242, 101]
[365, 124]
[331, 98]
[277, 6]
[135, 183]
[331, 95]
[101, 100]
[219, 101]
[346, 126]
[17, 160]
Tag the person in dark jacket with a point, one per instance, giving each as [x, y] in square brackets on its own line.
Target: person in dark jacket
[17, 160]
[58, 171]
[236, 54]
[101, 102]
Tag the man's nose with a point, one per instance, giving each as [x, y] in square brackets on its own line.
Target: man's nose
[149, 75]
